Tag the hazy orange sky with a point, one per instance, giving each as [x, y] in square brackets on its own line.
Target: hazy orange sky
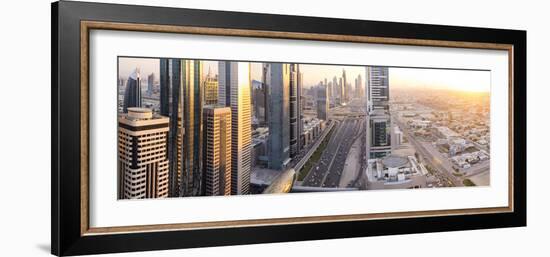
[461, 80]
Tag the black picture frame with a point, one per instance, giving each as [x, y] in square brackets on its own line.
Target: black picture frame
[66, 236]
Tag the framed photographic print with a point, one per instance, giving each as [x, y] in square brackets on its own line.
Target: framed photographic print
[178, 128]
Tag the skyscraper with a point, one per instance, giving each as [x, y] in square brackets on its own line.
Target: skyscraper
[329, 90]
[132, 95]
[191, 74]
[265, 71]
[294, 105]
[341, 93]
[210, 89]
[258, 102]
[359, 87]
[171, 105]
[277, 80]
[217, 150]
[345, 87]
[335, 89]
[150, 83]
[299, 101]
[181, 100]
[234, 91]
[224, 83]
[378, 141]
[322, 102]
[142, 162]
[377, 87]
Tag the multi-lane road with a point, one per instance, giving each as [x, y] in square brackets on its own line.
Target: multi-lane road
[432, 157]
[328, 169]
[443, 167]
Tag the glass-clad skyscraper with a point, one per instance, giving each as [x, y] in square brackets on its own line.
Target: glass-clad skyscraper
[181, 101]
[171, 106]
[132, 95]
[322, 101]
[294, 110]
[192, 123]
[216, 150]
[277, 80]
[234, 92]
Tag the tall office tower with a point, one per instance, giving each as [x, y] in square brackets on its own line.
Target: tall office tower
[359, 87]
[224, 83]
[377, 85]
[181, 100]
[277, 79]
[322, 102]
[346, 87]
[210, 89]
[329, 90]
[234, 77]
[191, 74]
[335, 88]
[142, 162]
[299, 101]
[216, 150]
[171, 105]
[356, 84]
[378, 134]
[294, 105]
[132, 95]
[258, 102]
[341, 91]
[150, 83]
[265, 71]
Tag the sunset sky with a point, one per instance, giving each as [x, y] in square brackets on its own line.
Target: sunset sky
[459, 80]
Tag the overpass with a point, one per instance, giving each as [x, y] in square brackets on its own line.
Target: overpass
[284, 183]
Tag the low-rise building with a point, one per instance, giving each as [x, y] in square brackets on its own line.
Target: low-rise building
[312, 129]
[395, 172]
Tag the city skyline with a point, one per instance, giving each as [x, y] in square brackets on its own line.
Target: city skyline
[204, 128]
[476, 81]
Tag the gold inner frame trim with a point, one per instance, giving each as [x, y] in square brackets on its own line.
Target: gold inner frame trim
[86, 26]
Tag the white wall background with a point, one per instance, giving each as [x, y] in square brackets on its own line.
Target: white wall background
[25, 127]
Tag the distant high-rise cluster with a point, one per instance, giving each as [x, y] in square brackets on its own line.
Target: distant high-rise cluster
[339, 89]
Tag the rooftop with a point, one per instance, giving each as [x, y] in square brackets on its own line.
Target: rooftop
[393, 161]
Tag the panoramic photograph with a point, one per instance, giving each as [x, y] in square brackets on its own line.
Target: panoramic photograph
[211, 128]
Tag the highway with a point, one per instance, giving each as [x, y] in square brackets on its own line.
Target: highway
[316, 175]
[332, 178]
[302, 157]
[328, 170]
